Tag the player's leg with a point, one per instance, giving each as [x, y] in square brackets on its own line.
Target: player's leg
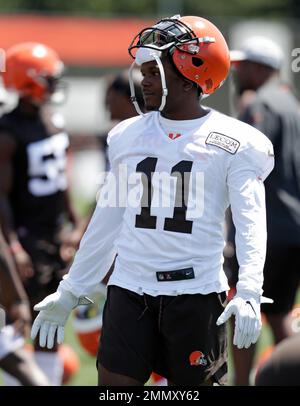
[128, 342]
[108, 378]
[208, 382]
[281, 281]
[283, 366]
[243, 360]
[48, 268]
[193, 349]
[21, 366]
[16, 362]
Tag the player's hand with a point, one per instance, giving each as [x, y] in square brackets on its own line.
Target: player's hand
[54, 312]
[247, 318]
[70, 243]
[21, 317]
[24, 263]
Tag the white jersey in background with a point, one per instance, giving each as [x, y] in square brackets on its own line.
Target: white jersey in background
[223, 162]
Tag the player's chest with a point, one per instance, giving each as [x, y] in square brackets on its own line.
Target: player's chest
[158, 157]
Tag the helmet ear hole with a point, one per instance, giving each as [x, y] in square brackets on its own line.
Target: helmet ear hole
[197, 61]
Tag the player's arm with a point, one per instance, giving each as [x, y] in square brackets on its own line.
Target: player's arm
[12, 290]
[91, 263]
[70, 238]
[12, 294]
[247, 199]
[96, 251]
[69, 208]
[7, 150]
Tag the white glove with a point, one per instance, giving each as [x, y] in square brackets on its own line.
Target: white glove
[54, 312]
[248, 324]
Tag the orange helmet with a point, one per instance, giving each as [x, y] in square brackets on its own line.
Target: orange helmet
[196, 46]
[32, 69]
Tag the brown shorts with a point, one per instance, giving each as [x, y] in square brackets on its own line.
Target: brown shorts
[174, 336]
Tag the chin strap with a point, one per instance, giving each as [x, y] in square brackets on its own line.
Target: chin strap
[132, 91]
[163, 82]
[152, 55]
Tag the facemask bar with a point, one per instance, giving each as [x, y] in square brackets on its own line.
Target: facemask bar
[153, 56]
[175, 34]
[132, 90]
[163, 83]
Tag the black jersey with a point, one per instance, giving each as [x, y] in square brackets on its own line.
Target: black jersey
[39, 164]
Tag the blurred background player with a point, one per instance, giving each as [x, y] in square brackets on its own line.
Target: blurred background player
[34, 200]
[14, 359]
[283, 366]
[269, 105]
[118, 100]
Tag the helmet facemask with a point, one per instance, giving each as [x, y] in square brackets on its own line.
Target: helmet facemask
[49, 88]
[151, 42]
[167, 33]
[196, 47]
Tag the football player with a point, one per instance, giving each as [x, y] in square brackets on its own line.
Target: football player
[118, 96]
[34, 201]
[174, 171]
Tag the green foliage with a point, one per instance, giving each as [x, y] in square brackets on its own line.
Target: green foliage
[265, 8]
[238, 7]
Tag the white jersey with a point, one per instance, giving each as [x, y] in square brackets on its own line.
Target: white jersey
[167, 245]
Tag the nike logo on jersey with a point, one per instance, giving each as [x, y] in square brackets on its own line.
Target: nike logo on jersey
[223, 141]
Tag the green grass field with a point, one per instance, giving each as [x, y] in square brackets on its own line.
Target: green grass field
[87, 374]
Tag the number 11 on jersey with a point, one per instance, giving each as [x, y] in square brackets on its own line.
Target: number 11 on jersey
[181, 171]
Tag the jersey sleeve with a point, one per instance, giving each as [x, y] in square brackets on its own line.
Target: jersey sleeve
[97, 250]
[256, 156]
[246, 191]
